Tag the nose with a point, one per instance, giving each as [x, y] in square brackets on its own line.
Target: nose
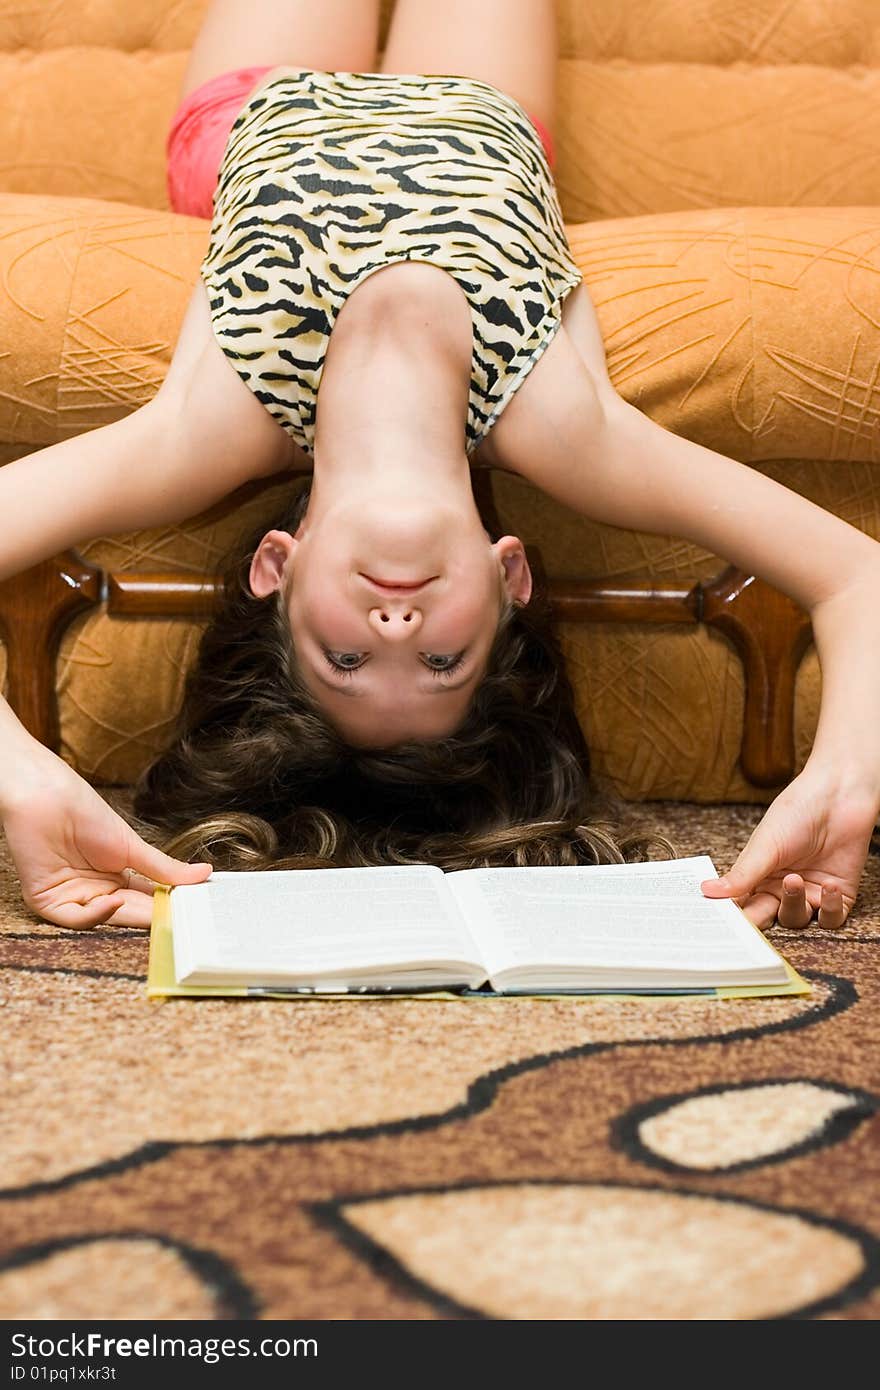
[395, 619]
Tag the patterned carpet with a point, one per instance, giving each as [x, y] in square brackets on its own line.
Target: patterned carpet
[598, 1159]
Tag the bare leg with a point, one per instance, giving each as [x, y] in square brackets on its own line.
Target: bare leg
[510, 43]
[328, 35]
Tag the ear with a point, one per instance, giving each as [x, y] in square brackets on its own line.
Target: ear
[269, 567]
[517, 575]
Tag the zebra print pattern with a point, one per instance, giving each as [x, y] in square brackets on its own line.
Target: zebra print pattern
[328, 177]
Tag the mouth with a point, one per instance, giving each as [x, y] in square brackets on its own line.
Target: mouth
[397, 586]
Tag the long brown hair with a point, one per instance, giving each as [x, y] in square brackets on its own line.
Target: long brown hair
[256, 777]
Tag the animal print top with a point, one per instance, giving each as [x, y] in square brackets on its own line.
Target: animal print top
[327, 177]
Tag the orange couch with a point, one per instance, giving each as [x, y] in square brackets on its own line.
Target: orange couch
[719, 174]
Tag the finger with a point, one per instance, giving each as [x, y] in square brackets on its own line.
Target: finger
[753, 866]
[832, 910]
[83, 915]
[136, 910]
[794, 909]
[161, 868]
[139, 883]
[761, 910]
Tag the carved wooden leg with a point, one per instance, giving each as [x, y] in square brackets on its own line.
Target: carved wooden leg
[771, 633]
[35, 608]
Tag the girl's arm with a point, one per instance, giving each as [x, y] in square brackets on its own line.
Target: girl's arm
[121, 477]
[593, 452]
[72, 852]
[641, 476]
[809, 850]
[829, 567]
[201, 437]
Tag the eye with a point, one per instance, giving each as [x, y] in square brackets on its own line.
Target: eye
[344, 662]
[443, 665]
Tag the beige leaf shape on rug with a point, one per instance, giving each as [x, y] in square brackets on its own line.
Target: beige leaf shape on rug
[137, 1278]
[742, 1124]
[602, 1252]
[94, 1070]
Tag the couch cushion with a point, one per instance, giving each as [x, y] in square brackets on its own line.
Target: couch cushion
[664, 104]
[92, 297]
[753, 331]
[639, 137]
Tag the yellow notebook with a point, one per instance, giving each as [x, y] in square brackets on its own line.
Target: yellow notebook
[390, 933]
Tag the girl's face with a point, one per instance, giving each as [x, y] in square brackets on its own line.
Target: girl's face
[393, 610]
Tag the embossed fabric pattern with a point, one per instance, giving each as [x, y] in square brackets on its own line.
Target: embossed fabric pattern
[717, 172]
[592, 1159]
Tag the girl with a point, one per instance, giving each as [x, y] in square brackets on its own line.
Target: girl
[375, 648]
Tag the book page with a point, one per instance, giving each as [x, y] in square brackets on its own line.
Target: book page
[651, 915]
[314, 920]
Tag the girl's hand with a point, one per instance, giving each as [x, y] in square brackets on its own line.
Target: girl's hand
[75, 855]
[806, 855]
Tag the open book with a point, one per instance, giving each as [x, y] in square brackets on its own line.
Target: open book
[620, 927]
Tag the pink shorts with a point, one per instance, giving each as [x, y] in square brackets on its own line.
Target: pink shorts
[201, 127]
